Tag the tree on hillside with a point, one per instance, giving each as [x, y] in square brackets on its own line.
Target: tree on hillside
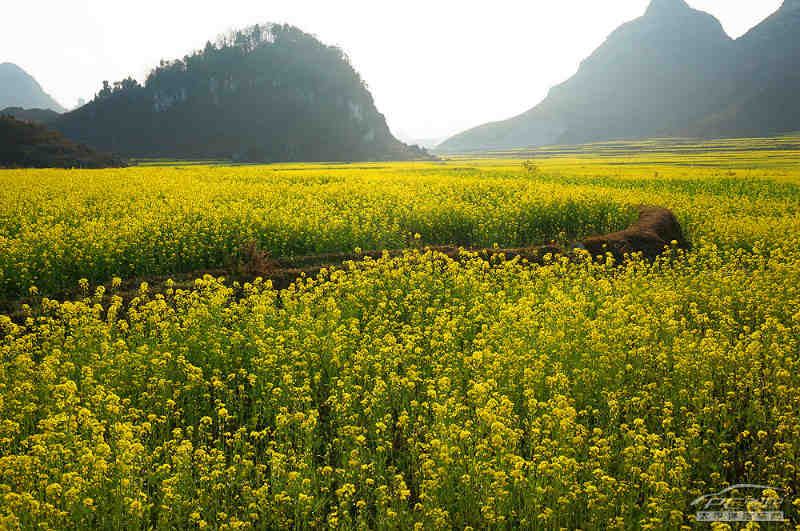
[105, 92]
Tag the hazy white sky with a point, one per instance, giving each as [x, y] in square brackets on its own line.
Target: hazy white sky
[435, 67]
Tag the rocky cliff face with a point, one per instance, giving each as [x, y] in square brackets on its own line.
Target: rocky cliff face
[673, 71]
[20, 89]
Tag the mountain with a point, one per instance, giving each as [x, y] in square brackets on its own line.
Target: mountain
[43, 116]
[267, 93]
[427, 143]
[767, 80]
[32, 145]
[673, 71]
[19, 89]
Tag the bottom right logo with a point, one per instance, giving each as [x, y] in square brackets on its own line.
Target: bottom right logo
[742, 503]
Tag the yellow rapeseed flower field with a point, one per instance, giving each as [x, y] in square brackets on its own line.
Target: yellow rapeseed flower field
[402, 392]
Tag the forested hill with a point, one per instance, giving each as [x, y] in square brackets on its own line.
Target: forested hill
[26, 144]
[266, 93]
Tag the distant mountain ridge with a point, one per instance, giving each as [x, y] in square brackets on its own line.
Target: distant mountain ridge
[672, 72]
[43, 116]
[266, 93]
[20, 89]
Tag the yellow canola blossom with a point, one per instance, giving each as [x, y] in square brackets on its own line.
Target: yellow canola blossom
[408, 392]
[58, 227]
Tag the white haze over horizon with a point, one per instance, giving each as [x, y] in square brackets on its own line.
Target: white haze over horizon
[435, 68]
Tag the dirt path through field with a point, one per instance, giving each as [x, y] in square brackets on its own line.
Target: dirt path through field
[648, 235]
